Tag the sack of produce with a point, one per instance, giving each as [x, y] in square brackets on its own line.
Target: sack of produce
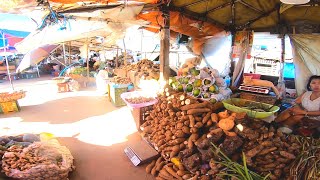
[40, 160]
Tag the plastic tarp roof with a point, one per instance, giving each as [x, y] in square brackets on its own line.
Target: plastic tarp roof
[183, 25]
[259, 15]
[81, 27]
[306, 58]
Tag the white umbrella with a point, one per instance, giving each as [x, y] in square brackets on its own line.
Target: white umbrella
[33, 57]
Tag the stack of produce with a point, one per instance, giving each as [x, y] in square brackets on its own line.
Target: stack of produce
[184, 131]
[120, 80]
[189, 64]
[79, 71]
[202, 83]
[13, 96]
[144, 69]
[25, 157]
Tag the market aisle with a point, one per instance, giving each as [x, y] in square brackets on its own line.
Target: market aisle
[95, 131]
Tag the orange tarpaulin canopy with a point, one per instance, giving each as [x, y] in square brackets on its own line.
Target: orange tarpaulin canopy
[98, 1]
[198, 30]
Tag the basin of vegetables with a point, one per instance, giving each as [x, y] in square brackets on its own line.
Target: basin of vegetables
[253, 109]
[137, 99]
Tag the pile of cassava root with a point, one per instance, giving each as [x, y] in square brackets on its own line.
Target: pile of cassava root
[38, 161]
[182, 129]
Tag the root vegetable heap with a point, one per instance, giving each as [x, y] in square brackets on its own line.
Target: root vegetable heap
[267, 149]
[37, 161]
[182, 130]
[175, 126]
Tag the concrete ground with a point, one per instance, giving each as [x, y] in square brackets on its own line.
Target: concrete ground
[93, 129]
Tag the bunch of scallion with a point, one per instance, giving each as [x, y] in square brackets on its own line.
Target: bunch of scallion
[233, 170]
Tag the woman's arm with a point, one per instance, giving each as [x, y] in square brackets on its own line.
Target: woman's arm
[299, 99]
[299, 111]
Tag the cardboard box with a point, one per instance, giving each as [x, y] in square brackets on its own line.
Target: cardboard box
[140, 152]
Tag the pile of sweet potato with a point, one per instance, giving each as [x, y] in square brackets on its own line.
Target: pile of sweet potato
[177, 126]
[183, 129]
[267, 149]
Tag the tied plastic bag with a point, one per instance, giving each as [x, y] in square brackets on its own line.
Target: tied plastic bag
[41, 160]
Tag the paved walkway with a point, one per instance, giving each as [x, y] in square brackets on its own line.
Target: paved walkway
[93, 129]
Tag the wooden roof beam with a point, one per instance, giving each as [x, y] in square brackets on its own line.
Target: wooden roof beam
[249, 6]
[193, 3]
[197, 16]
[221, 6]
[259, 17]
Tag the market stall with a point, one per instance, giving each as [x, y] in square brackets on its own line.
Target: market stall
[197, 140]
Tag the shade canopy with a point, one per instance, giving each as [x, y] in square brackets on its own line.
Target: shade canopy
[35, 56]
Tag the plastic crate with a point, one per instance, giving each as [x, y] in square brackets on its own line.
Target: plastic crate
[11, 106]
[140, 114]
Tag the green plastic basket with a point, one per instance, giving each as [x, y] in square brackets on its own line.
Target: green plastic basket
[242, 105]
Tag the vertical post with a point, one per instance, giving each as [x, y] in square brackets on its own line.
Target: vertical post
[38, 70]
[69, 52]
[233, 34]
[165, 44]
[64, 53]
[281, 84]
[5, 56]
[88, 71]
[141, 40]
[117, 58]
[125, 52]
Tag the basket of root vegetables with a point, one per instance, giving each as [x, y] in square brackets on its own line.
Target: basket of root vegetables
[137, 99]
[253, 109]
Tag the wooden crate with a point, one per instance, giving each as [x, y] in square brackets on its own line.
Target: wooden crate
[140, 114]
[268, 99]
[11, 106]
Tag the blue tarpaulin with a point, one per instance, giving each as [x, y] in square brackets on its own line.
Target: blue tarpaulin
[11, 33]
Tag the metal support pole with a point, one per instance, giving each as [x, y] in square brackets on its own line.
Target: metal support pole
[7, 63]
[117, 58]
[125, 52]
[88, 71]
[64, 53]
[38, 70]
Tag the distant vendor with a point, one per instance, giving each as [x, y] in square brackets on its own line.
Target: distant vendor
[102, 80]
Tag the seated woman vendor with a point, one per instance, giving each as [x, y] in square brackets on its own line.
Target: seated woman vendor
[306, 109]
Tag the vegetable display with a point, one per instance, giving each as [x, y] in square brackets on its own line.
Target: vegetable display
[12, 96]
[202, 83]
[120, 80]
[188, 133]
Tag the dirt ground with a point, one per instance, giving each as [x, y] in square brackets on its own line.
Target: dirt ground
[93, 129]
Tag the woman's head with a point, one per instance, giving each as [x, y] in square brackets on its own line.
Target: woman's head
[314, 83]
